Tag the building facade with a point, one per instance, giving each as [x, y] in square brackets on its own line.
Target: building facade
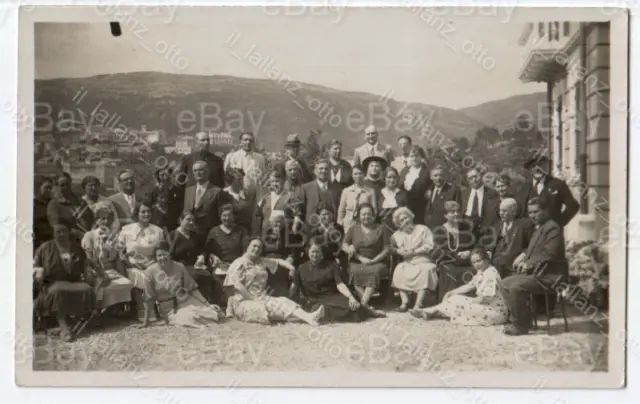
[573, 60]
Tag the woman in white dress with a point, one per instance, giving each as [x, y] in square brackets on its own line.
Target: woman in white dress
[487, 308]
[168, 280]
[417, 273]
[353, 197]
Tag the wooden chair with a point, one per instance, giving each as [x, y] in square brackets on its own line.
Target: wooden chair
[534, 313]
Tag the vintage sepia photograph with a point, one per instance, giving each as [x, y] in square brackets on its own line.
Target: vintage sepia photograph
[349, 196]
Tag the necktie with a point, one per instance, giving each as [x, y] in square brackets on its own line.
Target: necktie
[371, 151]
[539, 187]
[475, 208]
[505, 229]
[405, 163]
[435, 194]
[199, 193]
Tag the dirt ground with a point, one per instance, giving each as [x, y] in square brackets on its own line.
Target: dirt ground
[396, 343]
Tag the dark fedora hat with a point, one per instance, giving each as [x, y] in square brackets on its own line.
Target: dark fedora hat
[537, 159]
[293, 140]
[368, 160]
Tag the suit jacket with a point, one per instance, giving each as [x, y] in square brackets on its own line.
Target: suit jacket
[207, 211]
[545, 252]
[520, 213]
[488, 216]
[311, 196]
[344, 174]
[434, 211]
[125, 214]
[254, 166]
[364, 151]
[304, 170]
[262, 212]
[504, 250]
[559, 196]
[386, 215]
[215, 163]
[415, 195]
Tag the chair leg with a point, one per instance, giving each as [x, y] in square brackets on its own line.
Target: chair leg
[532, 307]
[564, 313]
[546, 309]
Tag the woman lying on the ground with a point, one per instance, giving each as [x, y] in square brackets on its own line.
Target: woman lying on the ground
[486, 308]
[58, 267]
[319, 282]
[168, 280]
[252, 301]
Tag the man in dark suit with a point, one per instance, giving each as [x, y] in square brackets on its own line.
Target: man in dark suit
[205, 199]
[292, 148]
[215, 164]
[340, 168]
[509, 237]
[540, 268]
[478, 203]
[440, 192]
[562, 205]
[126, 200]
[319, 190]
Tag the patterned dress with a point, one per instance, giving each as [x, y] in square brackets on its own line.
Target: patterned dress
[253, 276]
[419, 272]
[139, 244]
[461, 310]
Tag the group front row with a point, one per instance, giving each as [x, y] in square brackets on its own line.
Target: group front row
[323, 275]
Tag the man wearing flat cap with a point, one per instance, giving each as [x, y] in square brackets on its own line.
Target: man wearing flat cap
[201, 153]
[340, 168]
[372, 148]
[292, 147]
[562, 205]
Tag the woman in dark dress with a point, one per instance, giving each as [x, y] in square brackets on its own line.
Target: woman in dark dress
[225, 243]
[68, 209]
[282, 243]
[332, 234]
[392, 197]
[184, 248]
[374, 174]
[243, 200]
[59, 266]
[453, 241]
[318, 281]
[160, 209]
[416, 180]
[41, 228]
[367, 245]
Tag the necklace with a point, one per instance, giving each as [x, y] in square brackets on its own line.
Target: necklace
[456, 238]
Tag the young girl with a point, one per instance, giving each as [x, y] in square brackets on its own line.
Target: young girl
[486, 308]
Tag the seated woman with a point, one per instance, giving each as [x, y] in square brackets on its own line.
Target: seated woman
[282, 243]
[183, 247]
[486, 308]
[391, 198]
[319, 281]
[103, 262]
[417, 273]
[367, 246]
[453, 241]
[329, 231]
[58, 267]
[137, 244]
[252, 302]
[169, 279]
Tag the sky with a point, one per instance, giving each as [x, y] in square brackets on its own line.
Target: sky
[403, 52]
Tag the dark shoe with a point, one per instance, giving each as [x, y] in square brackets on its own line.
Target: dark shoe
[514, 331]
[402, 309]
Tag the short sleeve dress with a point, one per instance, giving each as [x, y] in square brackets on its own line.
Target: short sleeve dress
[368, 245]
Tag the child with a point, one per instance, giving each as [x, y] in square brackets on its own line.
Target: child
[486, 308]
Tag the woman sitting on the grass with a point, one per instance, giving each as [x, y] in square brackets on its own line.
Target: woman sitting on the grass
[486, 308]
[320, 283]
[417, 273]
[103, 263]
[252, 301]
[169, 279]
[58, 267]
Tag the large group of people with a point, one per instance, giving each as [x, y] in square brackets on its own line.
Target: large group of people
[225, 238]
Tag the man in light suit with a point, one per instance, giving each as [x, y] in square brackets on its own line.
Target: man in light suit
[340, 168]
[319, 190]
[372, 148]
[205, 200]
[402, 161]
[252, 163]
[540, 268]
[126, 200]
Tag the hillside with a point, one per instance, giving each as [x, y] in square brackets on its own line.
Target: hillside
[269, 108]
[501, 114]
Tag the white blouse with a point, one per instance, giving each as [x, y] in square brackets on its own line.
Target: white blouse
[412, 176]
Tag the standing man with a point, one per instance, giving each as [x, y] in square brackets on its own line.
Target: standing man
[371, 148]
[402, 161]
[201, 153]
[205, 199]
[539, 268]
[478, 203]
[562, 205]
[436, 196]
[319, 191]
[292, 147]
[126, 200]
[252, 163]
[340, 168]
